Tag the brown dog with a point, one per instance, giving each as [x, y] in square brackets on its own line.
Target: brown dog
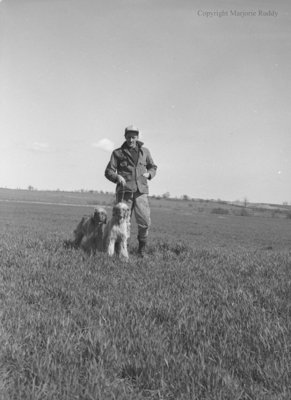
[88, 234]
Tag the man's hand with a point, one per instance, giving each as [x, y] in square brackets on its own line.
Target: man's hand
[146, 175]
[120, 180]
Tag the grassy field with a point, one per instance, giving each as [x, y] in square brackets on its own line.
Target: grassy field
[207, 315]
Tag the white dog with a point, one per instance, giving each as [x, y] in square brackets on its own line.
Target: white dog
[116, 232]
[88, 234]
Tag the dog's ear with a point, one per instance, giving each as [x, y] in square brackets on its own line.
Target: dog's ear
[96, 214]
[125, 212]
[105, 218]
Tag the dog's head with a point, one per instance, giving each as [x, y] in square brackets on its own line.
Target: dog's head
[100, 215]
[120, 211]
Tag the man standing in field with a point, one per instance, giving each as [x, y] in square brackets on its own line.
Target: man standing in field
[130, 167]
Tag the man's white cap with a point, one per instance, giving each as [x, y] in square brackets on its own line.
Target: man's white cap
[131, 128]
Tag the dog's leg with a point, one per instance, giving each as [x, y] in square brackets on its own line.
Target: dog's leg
[123, 250]
[100, 238]
[89, 245]
[111, 247]
[128, 224]
[117, 247]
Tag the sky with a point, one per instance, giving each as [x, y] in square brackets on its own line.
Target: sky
[207, 83]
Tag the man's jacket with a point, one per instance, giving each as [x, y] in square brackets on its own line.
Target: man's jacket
[122, 163]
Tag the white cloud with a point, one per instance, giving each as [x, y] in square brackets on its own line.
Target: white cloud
[38, 146]
[104, 144]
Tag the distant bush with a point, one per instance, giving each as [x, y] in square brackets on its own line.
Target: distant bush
[221, 211]
[288, 215]
[243, 213]
[185, 197]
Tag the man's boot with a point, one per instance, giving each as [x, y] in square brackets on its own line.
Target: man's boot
[141, 247]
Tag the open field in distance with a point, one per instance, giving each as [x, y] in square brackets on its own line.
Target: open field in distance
[207, 315]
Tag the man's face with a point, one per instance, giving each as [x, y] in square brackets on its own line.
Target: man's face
[131, 138]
